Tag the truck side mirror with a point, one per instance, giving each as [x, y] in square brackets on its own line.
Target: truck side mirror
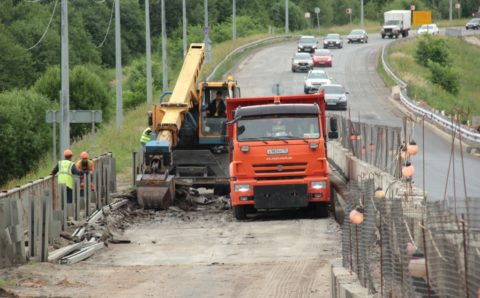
[333, 133]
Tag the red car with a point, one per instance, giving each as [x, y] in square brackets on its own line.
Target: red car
[322, 58]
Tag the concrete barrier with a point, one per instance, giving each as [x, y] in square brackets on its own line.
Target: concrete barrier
[344, 283]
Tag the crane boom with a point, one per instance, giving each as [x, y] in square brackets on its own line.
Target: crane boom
[169, 116]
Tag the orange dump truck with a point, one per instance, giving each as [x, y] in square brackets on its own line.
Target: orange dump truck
[278, 157]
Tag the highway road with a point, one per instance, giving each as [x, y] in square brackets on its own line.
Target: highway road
[354, 66]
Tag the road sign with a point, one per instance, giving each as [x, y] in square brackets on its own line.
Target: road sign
[76, 116]
[317, 10]
[412, 7]
[307, 15]
[457, 5]
[348, 11]
[205, 30]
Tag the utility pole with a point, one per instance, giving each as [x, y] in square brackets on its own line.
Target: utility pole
[208, 45]
[164, 50]
[118, 64]
[184, 24]
[65, 98]
[148, 51]
[286, 16]
[234, 20]
[449, 11]
[361, 14]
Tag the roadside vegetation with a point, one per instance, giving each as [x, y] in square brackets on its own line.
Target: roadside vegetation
[441, 72]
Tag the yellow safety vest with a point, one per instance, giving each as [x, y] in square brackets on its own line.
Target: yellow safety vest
[145, 137]
[65, 173]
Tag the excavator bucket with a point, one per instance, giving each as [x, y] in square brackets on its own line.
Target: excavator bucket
[155, 191]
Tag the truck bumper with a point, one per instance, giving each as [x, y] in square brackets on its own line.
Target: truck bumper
[279, 194]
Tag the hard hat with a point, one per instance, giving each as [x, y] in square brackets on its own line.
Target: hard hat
[67, 153]
[84, 155]
[230, 77]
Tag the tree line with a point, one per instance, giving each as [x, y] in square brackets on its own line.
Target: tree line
[30, 73]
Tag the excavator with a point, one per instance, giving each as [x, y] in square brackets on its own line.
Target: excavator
[188, 147]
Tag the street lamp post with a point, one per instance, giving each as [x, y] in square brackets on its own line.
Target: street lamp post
[234, 20]
[361, 14]
[286, 16]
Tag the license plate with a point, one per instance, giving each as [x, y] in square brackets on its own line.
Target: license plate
[277, 151]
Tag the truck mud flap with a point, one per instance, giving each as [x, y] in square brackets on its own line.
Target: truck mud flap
[280, 196]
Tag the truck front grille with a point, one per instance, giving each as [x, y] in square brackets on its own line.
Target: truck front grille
[279, 171]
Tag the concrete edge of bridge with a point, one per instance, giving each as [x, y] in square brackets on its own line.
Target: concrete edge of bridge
[345, 283]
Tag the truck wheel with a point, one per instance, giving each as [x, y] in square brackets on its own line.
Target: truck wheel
[239, 212]
[320, 210]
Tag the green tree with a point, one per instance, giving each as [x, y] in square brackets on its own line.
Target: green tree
[444, 76]
[24, 133]
[432, 49]
[87, 92]
[15, 63]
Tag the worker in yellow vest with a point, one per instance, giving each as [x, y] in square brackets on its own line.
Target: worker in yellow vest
[66, 169]
[146, 136]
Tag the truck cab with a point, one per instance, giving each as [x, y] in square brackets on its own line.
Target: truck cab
[278, 154]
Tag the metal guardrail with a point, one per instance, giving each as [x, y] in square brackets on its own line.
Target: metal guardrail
[244, 48]
[429, 115]
[40, 208]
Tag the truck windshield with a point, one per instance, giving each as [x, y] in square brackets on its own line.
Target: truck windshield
[278, 128]
[392, 22]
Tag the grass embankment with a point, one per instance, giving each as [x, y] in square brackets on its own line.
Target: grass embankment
[465, 63]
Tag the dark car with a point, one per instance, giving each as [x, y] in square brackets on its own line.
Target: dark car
[357, 35]
[333, 40]
[307, 44]
[322, 57]
[473, 24]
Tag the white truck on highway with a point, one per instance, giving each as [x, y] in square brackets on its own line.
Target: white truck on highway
[396, 22]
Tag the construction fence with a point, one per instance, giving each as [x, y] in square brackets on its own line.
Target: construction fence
[398, 243]
[33, 215]
[378, 145]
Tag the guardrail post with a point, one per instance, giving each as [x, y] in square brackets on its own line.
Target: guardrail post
[63, 200]
[134, 167]
[46, 212]
[76, 198]
[16, 231]
[87, 189]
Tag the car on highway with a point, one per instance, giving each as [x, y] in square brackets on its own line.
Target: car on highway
[322, 57]
[335, 96]
[473, 24]
[357, 35]
[315, 79]
[307, 43]
[333, 40]
[428, 29]
[302, 62]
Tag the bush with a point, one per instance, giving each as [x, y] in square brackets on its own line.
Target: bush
[444, 76]
[24, 133]
[432, 49]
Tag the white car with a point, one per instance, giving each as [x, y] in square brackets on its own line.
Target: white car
[315, 79]
[428, 29]
[335, 96]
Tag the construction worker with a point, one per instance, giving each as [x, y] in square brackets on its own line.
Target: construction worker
[85, 165]
[146, 136]
[66, 169]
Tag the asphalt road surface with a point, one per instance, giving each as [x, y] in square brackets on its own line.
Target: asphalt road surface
[354, 67]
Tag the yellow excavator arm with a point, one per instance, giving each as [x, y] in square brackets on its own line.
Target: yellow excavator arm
[167, 118]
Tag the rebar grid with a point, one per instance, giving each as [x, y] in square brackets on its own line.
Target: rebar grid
[406, 247]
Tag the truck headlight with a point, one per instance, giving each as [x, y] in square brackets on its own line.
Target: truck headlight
[300, 47]
[242, 187]
[318, 184]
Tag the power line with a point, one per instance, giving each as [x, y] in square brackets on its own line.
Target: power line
[108, 28]
[46, 29]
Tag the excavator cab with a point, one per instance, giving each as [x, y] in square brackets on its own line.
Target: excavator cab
[212, 122]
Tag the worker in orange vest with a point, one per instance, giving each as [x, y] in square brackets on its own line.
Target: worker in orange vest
[86, 166]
